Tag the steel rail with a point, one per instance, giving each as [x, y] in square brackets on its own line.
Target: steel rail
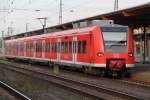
[14, 92]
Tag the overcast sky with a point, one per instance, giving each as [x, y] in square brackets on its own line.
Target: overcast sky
[19, 13]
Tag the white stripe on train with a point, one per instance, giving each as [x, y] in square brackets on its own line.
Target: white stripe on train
[69, 62]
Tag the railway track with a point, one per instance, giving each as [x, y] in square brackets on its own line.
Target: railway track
[133, 82]
[86, 88]
[14, 92]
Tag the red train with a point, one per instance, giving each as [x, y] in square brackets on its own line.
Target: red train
[108, 47]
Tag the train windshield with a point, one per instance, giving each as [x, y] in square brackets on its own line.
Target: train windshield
[115, 39]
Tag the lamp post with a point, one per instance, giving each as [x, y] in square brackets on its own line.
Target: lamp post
[43, 23]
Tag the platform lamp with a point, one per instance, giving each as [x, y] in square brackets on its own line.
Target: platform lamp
[43, 23]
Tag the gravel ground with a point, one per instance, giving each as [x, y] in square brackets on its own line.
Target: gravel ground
[4, 95]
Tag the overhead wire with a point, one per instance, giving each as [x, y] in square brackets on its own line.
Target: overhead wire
[52, 11]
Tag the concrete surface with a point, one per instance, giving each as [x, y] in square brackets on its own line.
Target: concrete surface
[141, 72]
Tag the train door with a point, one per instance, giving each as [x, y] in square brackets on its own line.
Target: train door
[11, 45]
[74, 49]
[47, 48]
[58, 49]
[34, 48]
[85, 48]
[25, 49]
[18, 48]
[43, 48]
[30, 48]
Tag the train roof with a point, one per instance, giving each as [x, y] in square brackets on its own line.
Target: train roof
[66, 32]
[60, 33]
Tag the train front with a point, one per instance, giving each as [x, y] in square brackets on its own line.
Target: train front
[118, 49]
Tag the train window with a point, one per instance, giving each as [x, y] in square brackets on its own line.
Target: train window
[70, 46]
[90, 38]
[21, 47]
[83, 46]
[48, 46]
[43, 46]
[58, 46]
[66, 47]
[27, 46]
[18, 47]
[34, 46]
[62, 47]
[36, 49]
[47, 49]
[55, 47]
[40, 46]
[31, 46]
[37, 46]
[79, 46]
[10, 48]
[15, 47]
[52, 47]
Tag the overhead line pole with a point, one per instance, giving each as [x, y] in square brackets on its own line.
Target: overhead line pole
[116, 5]
[2, 42]
[60, 12]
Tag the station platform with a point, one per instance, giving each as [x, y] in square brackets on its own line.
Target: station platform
[141, 72]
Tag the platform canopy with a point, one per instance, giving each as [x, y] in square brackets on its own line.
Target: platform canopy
[136, 17]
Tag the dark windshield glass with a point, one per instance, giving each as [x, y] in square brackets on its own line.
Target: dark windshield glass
[115, 40]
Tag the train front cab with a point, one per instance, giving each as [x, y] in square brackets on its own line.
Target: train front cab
[116, 51]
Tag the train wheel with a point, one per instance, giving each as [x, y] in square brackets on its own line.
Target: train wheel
[106, 72]
[49, 64]
[126, 74]
[90, 70]
[31, 62]
[85, 69]
[115, 74]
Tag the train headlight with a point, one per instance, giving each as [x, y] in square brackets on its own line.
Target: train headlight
[100, 54]
[130, 54]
